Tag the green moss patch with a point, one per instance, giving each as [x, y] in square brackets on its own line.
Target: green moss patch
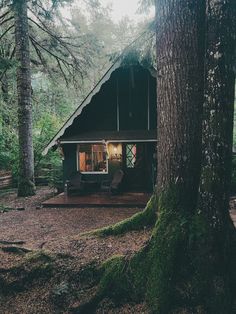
[139, 221]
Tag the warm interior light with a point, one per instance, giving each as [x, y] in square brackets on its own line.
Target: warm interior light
[115, 151]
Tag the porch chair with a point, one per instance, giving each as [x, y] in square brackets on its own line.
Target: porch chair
[114, 186]
[75, 184]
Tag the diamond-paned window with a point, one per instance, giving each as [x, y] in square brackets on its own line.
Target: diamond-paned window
[131, 155]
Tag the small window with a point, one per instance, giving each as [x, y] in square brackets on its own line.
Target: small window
[130, 155]
[92, 158]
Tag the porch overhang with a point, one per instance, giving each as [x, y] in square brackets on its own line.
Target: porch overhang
[129, 136]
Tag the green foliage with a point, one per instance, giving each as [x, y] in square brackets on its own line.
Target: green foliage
[8, 138]
[5, 209]
[48, 167]
[233, 182]
[55, 175]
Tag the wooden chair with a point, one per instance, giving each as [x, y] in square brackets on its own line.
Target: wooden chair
[75, 185]
[114, 186]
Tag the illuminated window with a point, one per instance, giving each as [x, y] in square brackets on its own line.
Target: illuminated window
[130, 155]
[92, 158]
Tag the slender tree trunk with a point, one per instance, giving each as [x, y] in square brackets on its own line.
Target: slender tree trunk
[26, 185]
[180, 55]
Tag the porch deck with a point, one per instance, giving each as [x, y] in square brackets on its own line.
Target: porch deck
[131, 199]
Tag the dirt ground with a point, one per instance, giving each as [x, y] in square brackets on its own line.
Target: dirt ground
[57, 231]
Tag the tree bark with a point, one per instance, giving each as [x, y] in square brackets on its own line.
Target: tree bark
[219, 235]
[218, 110]
[26, 185]
[180, 55]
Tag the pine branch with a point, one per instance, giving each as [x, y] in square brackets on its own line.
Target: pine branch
[60, 39]
[11, 56]
[40, 56]
[6, 20]
[43, 29]
[46, 12]
[63, 73]
[54, 36]
[6, 31]
[4, 14]
[50, 52]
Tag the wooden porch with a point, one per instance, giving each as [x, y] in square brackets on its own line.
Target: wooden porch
[129, 199]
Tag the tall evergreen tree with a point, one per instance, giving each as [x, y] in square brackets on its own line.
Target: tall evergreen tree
[26, 185]
[15, 16]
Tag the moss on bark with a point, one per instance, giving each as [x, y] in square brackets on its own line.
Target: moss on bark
[183, 268]
[141, 220]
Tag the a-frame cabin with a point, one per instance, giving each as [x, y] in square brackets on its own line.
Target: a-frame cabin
[114, 128]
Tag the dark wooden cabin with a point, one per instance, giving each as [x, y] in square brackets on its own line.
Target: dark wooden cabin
[114, 128]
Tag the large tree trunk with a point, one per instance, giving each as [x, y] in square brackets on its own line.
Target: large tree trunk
[218, 110]
[26, 185]
[180, 54]
[218, 236]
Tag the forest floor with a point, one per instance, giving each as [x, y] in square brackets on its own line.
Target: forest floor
[43, 253]
[57, 231]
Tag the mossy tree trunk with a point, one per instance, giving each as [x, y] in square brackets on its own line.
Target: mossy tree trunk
[26, 185]
[180, 88]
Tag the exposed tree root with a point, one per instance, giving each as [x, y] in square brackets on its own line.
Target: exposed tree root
[181, 270]
[15, 249]
[12, 242]
[146, 218]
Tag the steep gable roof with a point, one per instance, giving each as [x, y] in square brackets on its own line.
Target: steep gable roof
[85, 102]
[123, 59]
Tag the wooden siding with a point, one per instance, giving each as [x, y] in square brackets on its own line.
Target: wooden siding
[101, 113]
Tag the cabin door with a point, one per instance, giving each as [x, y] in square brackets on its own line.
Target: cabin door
[135, 166]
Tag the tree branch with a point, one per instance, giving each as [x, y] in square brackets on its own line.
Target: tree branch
[4, 14]
[7, 20]
[51, 53]
[45, 29]
[6, 31]
[39, 54]
[60, 39]
[11, 56]
[63, 73]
